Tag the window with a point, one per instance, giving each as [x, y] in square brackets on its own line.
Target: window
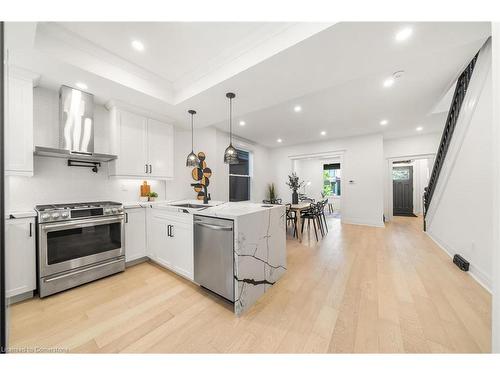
[239, 178]
[400, 174]
[331, 179]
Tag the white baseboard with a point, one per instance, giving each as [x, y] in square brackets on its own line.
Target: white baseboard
[474, 272]
[356, 221]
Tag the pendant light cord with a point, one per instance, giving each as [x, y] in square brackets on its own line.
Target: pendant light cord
[192, 133]
[230, 121]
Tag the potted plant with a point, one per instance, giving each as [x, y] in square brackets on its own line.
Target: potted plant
[272, 193]
[295, 184]
[152, 196]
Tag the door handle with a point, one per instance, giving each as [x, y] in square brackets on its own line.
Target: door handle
[212, 226]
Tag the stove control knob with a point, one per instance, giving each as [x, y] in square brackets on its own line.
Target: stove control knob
[115, 210]
[55, 215]
[65, 215]
[45, 216]
[107, 211]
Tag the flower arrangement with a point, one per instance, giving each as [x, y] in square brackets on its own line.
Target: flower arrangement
[294, 182]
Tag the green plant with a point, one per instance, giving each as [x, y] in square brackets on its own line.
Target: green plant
[153, 194]
[293, 182]
[272, 191]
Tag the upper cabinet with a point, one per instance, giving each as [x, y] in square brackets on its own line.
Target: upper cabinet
[19, 121]
[145, 147]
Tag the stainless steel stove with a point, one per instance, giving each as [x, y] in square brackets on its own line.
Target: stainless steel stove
[78, 243]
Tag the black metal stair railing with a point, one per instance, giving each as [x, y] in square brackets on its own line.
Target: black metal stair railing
[451, 121]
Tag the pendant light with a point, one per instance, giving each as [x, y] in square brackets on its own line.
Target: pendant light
[192, 159]
[230, 155]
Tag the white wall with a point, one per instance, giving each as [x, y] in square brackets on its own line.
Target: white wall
[362, 200]
[311, 170]
[412, 146]
[460, 217]
[496, 191]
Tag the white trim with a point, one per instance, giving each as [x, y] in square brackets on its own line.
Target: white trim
[474, 272]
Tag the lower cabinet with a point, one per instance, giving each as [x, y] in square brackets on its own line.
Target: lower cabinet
[135, 233]
[170, 240]
[20, 256]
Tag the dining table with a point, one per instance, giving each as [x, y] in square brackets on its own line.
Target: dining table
[298, 208]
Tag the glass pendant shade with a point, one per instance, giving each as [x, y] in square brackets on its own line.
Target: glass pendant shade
[192, 159]
[231, 155]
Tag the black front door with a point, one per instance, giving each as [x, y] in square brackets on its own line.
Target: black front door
[402, 190]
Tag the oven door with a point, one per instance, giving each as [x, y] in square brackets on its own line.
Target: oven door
[68, 245]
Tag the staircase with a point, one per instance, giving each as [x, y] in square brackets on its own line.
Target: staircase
[451, 120]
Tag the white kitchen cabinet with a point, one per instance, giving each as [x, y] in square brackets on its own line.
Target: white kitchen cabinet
[160, 149]
[158, 238]
[135, 233]
[20, 256]
[144, 146]
[170, 241]
[19, 122]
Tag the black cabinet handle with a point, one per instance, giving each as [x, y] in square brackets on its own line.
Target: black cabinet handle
[145, 165]
[31, 229]
[150, 168]
[168, 230]
[171, 231]
[126, 217]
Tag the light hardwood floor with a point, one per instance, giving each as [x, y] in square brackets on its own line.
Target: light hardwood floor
[360, 289]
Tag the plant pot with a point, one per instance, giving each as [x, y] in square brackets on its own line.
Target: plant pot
[295, 197]
[151, 199]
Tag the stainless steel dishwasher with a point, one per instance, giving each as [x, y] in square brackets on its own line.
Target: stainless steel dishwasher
[213, 255]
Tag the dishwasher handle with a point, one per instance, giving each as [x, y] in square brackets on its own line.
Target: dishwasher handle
[212, 226]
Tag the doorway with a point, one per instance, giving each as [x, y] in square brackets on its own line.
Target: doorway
[402, 188]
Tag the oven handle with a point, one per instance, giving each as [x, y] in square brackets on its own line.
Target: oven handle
[82, 270]
[83, 223]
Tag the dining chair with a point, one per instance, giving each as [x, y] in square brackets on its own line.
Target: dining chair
[291, 217]
[310, 214]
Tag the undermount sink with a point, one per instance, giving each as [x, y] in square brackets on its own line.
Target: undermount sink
[189, 205]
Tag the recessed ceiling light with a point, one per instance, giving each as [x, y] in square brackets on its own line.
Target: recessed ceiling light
[384, 122]
[297, 108]
[242, 123]
[389, 82]
[419, 128]
[404, 34]
[323, 133]
[279, 140]
[81, 86]
[138, 45]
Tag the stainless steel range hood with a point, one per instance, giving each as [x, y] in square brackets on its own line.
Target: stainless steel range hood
[76, 128]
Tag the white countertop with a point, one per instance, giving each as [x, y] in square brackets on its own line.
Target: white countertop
[233, 210]
[230, 210]
[20, 214]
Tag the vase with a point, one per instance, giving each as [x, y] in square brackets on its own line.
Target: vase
[295, 197]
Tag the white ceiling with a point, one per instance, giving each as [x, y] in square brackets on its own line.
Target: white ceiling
[334, 72]
[172, 49]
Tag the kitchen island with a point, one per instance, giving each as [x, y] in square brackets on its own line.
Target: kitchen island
[259, 248]
[259, 237]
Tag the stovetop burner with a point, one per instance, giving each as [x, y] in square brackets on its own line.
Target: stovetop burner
[73, 211]
[72, 206]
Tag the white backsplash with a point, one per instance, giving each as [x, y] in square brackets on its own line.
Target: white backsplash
[55, 182]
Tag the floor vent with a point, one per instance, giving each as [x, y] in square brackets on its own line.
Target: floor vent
[461, 263]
